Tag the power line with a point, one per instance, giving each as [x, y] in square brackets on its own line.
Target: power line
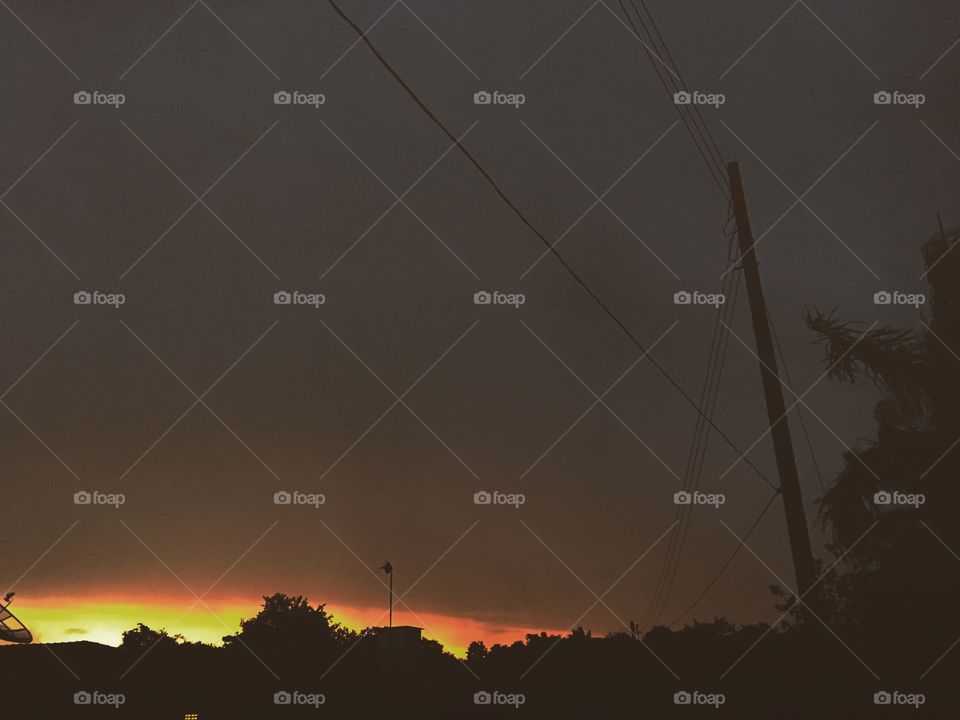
[699, 444]
[695, 109]
[573, 273]
[803, 424]
[671, 87]
[712, 156]
[726, 564]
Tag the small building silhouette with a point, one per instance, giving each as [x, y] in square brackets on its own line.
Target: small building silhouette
[400, 648]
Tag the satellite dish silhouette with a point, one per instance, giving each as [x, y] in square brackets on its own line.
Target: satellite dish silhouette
[11, 629]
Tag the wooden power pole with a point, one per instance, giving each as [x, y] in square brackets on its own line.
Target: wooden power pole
[773, 393]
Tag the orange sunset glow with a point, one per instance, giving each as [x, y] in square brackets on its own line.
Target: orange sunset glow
[104, 619]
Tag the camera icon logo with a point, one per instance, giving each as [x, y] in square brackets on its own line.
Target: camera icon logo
[82, 97]
[482, 298]
[82, 298]
[882, 298]
[682, 98]
[82, 498]
[882, 498]
[882, 98]
[282, 698]
[482, 698]
[682, 298]
[282, 497]
[82, 698]
[882, 698]
[482, 98]
[482, 498]
[682, 698]
[282, 298]
[682, 497]
[282, 97]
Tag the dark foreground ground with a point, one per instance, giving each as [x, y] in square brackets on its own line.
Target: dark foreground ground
[781, 677]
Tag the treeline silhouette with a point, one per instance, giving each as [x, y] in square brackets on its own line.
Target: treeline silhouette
[883, 617]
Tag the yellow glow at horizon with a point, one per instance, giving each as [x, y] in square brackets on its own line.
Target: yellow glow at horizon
[103, 620]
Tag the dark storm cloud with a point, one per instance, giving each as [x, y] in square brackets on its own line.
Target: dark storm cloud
[291, 211]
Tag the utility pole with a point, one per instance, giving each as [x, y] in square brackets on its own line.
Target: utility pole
[388, 569]
[773, 393]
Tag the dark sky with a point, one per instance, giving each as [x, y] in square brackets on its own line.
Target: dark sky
[284, 216]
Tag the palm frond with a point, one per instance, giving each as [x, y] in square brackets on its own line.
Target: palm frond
[893, 359]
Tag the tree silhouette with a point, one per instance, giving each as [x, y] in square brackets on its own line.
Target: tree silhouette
[290, 625]
[476, 652]
[890, 569]
[143, 638]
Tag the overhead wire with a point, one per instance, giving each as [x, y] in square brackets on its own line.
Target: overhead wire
[709, 151]
[550, 246]
[726, 564]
